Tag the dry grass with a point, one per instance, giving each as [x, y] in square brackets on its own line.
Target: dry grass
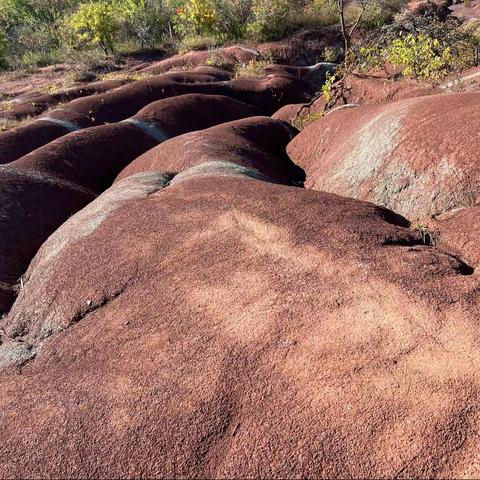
[198, 42]
[302, 121]
[7, 124]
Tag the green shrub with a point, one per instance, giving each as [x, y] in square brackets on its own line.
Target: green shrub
[196, 18]
[380, 12]
[371, 57]
[269, 19]
[198, 42]
[327, 11]
[421, 56]
[233, 17]
[144, 20]
[429, 47]
[253, 69]
[330, 54]
[215, 59]
[303, 120]
[96, 24]
[327, 87]
[3, 50]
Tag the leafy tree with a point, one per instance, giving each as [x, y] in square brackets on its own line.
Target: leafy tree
[197, 17]
[233, 17]
[270, 18]
[143, 19]
[96, 24]
[3, 49]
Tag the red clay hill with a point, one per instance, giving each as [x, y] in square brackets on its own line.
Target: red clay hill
[192, 288]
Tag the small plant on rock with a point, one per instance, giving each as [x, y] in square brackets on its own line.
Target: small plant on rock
[302, 121]
[327, 87]
[255, 68]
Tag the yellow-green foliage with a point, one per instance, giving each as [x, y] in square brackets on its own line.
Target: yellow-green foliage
[327, 87]
[96, 24]
[146, 20]
[421, 56]
[371, 56]
[327, 10]
[253, 69]
[197, 17]
[467, 49]
[215, 59]
[330, 54]
[3, 48]
[198, 42]
[269, 18]
[302, 121]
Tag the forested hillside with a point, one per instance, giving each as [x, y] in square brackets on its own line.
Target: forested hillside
[41, 32]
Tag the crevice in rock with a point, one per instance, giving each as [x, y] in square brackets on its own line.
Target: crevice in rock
[19, 352]
[407, 241]
[458, 264]
[462, 267]
[91, 306]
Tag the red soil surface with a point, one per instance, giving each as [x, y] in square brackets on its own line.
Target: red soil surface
[207, 317]
[415, 156]
[459, 230]
[256, 143]
[228, 327]
[113, 106]
[66, 174]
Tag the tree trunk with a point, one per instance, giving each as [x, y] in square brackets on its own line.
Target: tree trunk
[345, 35]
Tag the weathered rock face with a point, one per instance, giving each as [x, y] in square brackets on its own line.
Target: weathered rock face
[33, 105]
[314, 74]
[356, 89]
[415, 156]
[205, 317]
[296, 114]
[460, 230]
[369, 89]
[68, 173]
[255, 143]
[303, 48]
[32, 206]
[268, 94]
[226, 327]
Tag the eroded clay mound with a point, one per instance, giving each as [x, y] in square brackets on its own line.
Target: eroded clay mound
[466, 10]
[303, 48]
[267, 94]
[367, 89]
[355, 89]
[83, 164]
[298, 114]
[35, 104]
[437, 8]
[256, 143]
[314, 74]
[227, 327]
[227, 57]
[415, 156]
[32, 206]
[93, 157]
